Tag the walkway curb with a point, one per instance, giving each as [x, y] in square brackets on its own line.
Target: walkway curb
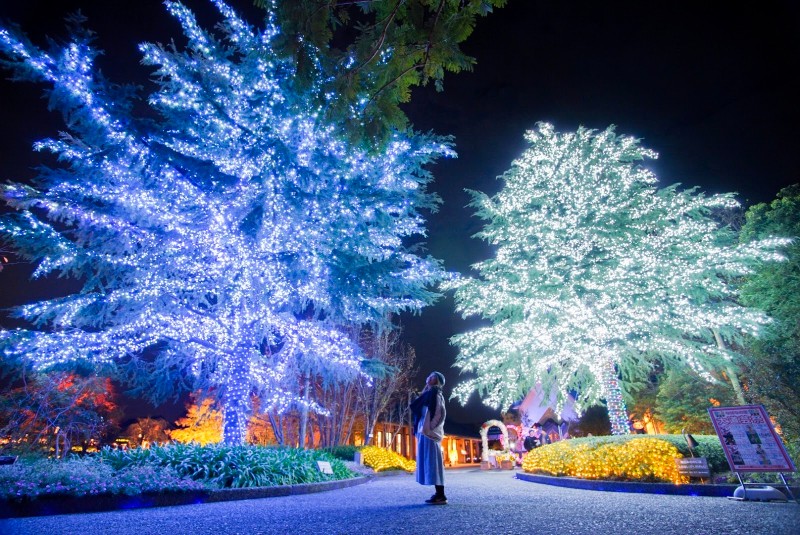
[719, 491]
[60, 505]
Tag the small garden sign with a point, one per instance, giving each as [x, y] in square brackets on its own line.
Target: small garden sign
[693, 466]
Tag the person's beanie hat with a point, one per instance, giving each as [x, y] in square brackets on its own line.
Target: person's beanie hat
[439, 377]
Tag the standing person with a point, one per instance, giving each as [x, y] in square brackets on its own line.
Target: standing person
[530, 441]
[429, 414]
[539, 436]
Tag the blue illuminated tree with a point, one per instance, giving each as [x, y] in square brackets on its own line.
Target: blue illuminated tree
[226, 235]
[598, 275]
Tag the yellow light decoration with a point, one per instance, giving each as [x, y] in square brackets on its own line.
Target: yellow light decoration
[639, 459]
[202, 424]
[380, 459]
[505, 456]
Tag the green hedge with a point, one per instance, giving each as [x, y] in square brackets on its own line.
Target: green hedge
[345, 453]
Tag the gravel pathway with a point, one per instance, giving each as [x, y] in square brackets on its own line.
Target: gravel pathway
[492, 502]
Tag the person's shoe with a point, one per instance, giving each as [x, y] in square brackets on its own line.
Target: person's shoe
[436, 500]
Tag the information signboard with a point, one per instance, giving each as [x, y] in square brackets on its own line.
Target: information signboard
[749, 440]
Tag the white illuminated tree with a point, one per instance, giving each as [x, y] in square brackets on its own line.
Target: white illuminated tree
[597, 274]
[227, 235]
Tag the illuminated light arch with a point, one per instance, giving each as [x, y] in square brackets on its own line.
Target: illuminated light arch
[485, 437]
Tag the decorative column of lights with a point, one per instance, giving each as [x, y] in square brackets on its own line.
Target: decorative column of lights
[229, 233]
[617, 411]
[594, 265]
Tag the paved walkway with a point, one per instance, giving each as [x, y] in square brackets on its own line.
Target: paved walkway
[491, 502]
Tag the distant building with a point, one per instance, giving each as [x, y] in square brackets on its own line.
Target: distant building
[534, 408]
[461, 444]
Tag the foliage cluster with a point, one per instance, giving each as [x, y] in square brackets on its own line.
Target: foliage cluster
[202, 424]
[67, 409]
[175, 467]
[505, 456]
[375, 53]
[626, 458]
[683, 400]
[381, 459]
[223, 466]
[145, 431]
[773, 375]
[343, 452]
[708, 447]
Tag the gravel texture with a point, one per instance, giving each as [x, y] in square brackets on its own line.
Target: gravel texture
[492, 502]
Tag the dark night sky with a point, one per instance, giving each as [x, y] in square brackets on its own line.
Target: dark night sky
[712, 89]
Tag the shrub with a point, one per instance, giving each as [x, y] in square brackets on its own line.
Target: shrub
[380, 459]
[345, 453]
[174, 467]
[234, 466]
[708, 447]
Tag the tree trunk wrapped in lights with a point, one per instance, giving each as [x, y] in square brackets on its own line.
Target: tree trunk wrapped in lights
[597, 275]
[225, 237]
[612, 393]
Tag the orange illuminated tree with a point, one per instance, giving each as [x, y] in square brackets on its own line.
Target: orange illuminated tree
[57, 411]
[202, 423]
[146, 431]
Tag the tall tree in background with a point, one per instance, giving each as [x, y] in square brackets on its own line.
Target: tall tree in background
[774, 378]
[227, 235]
[376, 52]
[367, 399]
[381, 396]
[147, 431]
[598, 274]
[684, 398]
[202, 423]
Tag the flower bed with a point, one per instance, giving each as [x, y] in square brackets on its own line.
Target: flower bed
[87, 477]
[626, 458]
[380, 459]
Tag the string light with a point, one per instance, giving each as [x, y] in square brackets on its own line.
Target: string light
[638, 459]
[381, 459]
[230, 233]
[597, 274]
